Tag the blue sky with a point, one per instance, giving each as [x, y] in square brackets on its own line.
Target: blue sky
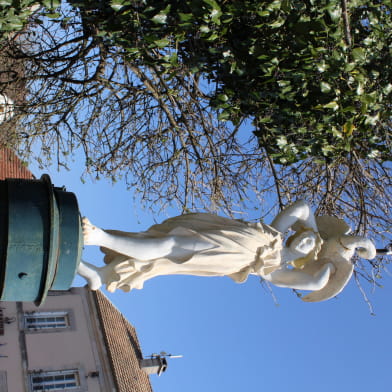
[235, 337]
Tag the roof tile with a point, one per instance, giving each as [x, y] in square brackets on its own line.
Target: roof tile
[123, 347]
[11, 166]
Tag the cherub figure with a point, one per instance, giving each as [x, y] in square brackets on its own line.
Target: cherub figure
[317, 257]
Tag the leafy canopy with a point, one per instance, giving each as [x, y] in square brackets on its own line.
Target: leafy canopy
[314, 82]
[315, 79]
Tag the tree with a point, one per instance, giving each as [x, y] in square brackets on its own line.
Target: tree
[157, 92]
[314, 81]
[129, 120]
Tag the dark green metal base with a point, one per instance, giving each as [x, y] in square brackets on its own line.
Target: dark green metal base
[40, 239]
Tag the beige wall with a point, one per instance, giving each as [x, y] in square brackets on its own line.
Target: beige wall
[12, 364]
[75, 347]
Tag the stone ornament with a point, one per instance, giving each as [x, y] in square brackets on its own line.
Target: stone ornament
[6, 108]
[315, 257]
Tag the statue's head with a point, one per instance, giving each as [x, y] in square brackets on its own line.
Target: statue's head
[302, 242]
[306, 244]
[338, 247]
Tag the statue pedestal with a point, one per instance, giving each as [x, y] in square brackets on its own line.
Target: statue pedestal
[40, 239]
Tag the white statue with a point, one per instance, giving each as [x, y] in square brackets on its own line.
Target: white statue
[317, 257]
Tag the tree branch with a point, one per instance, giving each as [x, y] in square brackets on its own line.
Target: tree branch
[346, 23]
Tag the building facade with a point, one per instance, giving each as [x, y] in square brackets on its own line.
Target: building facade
[76, 341]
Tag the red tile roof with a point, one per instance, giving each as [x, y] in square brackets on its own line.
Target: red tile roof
[11, 166]
[122, 346]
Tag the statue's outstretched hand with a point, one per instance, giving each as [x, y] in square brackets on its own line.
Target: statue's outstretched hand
[300, 280]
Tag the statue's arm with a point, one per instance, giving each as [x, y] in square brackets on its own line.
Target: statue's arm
[298, 212]
[297, 279]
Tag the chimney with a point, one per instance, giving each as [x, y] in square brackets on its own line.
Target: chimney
[154, 365]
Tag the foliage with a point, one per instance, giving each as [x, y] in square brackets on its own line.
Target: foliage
[14, 14]
[313, 84]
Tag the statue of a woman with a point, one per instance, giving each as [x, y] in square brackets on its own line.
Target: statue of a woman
[316, 257]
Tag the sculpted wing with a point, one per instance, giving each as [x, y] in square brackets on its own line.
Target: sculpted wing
[337, 281]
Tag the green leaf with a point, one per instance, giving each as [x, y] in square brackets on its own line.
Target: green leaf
[263, 120]
[286, 5]
[263, 13]
[325, 87]
[216, 11]
[359, 55]
[185, 17]
[327, 149]
[387, 89]
[161, 43]
[348, 128]
[161, 17]
[372, 120]
[224, 116]
[372, 155]
[213, 37]
[349, 67]
[117, 4]
[173, 59]
[53, 15]
[331, 105]
[277, 23]
[281, 141]
[275, 5]
[334, 12]
[14, 24]
[222, 97]
[51, 4]
[213, 4]
[322, 66]
[349, 109]
[369, 98]
[284, 83]
[336, 133]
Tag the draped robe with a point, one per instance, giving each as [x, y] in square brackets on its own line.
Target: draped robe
[233, 248]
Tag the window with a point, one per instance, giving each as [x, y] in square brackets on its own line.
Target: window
[57, 380]
[1, 322]
[3, 381]
[46, 320]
